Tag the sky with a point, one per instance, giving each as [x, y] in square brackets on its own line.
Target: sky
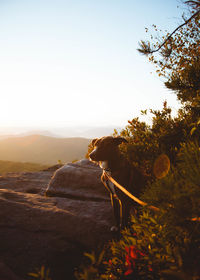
[75, 62]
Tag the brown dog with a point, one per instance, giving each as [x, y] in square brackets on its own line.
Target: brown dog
[107, 153]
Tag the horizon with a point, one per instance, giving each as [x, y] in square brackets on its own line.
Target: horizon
[88, 132]
[76, 63]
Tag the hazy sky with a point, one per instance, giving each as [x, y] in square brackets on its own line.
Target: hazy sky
[65, 63]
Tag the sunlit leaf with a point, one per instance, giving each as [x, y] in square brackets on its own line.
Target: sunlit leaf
[192, 130]
[33, 275]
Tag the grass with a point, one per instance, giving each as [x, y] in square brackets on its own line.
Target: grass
[11, 166]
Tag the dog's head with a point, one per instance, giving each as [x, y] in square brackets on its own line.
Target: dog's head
[105, 147]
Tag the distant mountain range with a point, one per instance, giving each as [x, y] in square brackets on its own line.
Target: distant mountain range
[43, 149]
[86, 132]
[76, 131]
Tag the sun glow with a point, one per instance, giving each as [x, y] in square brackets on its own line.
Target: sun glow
[69, 64]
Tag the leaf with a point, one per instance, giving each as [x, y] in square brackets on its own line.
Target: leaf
[42, 272]
[100, 257]
[91, 256]
[33, 274]
[169, 274]
[192, 130]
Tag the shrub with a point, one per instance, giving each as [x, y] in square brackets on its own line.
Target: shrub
[163, 245]
[147, 142]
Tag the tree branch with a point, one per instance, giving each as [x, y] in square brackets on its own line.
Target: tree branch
[148, 51]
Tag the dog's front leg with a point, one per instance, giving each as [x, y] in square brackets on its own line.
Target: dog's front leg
[126, 207]
[117, 209]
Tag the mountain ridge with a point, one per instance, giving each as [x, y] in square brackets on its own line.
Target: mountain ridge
[43, 149]
[61, 132]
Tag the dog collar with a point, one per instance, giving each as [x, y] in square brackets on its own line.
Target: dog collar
[104, 166]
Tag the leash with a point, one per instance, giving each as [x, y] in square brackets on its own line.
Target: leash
[105, 173]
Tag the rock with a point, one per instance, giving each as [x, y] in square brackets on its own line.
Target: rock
[80, 179]
[36, 230]
[6, 273]
[53, 167]
[32, 182]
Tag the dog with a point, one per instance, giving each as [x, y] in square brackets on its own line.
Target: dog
[106, 152]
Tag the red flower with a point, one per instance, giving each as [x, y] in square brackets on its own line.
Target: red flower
[150, 268]
[132, 255]
[128, 272]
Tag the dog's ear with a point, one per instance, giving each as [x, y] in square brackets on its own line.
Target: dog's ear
[118, 140]
[93, 141]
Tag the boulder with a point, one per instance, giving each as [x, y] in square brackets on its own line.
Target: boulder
[6, 273]
[30, 182]
[80, 179]
[38, 230]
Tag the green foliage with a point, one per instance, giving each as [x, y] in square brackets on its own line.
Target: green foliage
[179, 193]
[165, 245]
[164, 136]
[59, 161]
[176, 58]
[93, 269]
[176, 55]
[144, 252]
[40, 274]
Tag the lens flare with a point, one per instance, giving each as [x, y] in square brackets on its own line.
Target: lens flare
[161, 166]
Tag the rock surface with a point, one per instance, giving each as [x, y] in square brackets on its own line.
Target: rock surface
[37, 230]
[80, 179]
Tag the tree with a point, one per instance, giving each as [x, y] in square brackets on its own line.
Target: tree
[177, 57]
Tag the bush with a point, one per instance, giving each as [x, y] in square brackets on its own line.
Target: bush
[146, 143]
[163, 245]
